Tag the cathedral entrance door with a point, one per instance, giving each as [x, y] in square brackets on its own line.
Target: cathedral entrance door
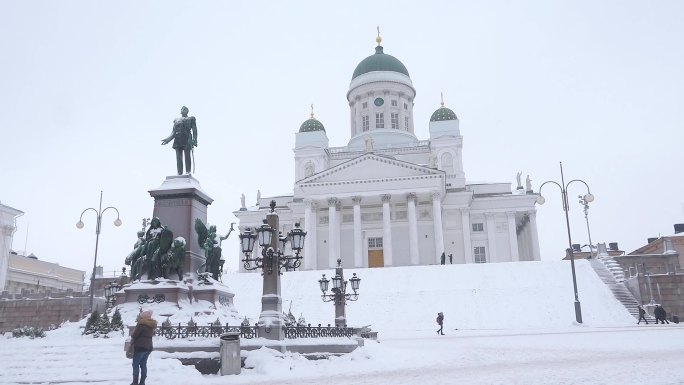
[375, 258]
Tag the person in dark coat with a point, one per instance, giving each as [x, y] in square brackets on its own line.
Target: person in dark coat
[660, 314]
[642, 315]
[141, 338]
[451, 258]
[442, 258]
[440, 322]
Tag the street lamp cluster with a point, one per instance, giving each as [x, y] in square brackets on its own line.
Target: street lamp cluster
[272, 257]
[98, 227]
[588, 197]
[339, 295]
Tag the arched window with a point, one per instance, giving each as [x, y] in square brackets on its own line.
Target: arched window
[448, 163]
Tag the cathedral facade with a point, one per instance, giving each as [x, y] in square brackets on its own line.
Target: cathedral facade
[387, 198]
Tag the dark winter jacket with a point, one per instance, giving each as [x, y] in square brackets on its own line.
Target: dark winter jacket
[659, 313]
[440, 319]
[142, 334]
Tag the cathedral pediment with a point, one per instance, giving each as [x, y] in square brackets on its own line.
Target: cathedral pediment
[371, 168]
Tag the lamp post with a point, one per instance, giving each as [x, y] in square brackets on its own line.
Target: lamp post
[98, 226]
[339, 293]
[588, 197]
[583, 201]
[272, 259]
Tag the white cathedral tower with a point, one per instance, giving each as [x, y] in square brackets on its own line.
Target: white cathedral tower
[388, 198]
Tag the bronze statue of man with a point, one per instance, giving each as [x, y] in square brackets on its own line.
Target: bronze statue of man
[184, 135]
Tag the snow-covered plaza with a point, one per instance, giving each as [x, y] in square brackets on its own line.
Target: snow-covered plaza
[508, 323]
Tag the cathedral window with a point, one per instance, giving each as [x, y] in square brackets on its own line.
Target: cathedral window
[394, 103]
[479, 254]
[364, 105]
[395, 120]
[478, 226]
[379, 120]
[375, 243]
[365, 122]
[406, 106]
[406, 123]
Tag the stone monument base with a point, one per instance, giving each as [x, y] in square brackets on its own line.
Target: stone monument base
[175, 292]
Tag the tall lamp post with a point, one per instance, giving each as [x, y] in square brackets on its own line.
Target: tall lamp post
[339, 293]
[272, 259]
[583, 201]
[98, 227]
[588, 197]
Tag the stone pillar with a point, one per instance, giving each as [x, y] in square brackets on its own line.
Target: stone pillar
[467, 245]
[512, 236]
[338, 229]
[386, 230]
[310, 224]
[413, 228]
[177, 203]
[6, 233]
[332, 221]
[271, 317]
[358, 236]
[491, 238]
[534, 236]
[437, 224]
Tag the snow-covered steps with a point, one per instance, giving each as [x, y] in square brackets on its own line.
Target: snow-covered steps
[618, 288]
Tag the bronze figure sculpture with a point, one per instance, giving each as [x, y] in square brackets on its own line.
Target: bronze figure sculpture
[184, 135]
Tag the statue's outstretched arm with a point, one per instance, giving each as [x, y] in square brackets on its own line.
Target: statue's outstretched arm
[168, 139]
[227, 235]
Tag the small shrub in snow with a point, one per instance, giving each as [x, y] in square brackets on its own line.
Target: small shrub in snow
[245, 322]
[104, 325]
[28, 331]
[117, 322]
[93, 323]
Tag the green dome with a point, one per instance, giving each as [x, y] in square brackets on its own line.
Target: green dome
[310, 125]
[443, 113]
[379, 62]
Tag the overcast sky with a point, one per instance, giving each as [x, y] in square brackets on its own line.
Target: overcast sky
[89, 89]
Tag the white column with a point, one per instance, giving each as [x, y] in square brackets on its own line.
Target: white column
[332, 221]
[467, 245]
[491, 238]
[358, 236]
[310, 224]
[338, 230]
[534, 246]
[413, 228]
[386, 230]
[512, 236]
[6, 233]
[437, 223]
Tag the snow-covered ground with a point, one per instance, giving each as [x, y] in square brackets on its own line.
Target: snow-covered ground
[515, 326]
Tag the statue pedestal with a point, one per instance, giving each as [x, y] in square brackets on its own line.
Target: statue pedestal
[177, 203]
[175, 292]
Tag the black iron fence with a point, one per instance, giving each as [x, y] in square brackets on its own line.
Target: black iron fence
[249, 332]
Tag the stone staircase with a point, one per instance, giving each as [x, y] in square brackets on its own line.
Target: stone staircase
[618, 289]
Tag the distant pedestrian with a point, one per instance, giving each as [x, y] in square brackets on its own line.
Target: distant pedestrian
[440, 322]
[642, 315]
[442, 258]
[141, 338]
[451, 259]
[660, 314]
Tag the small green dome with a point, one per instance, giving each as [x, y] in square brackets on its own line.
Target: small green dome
[379, 62]
[443, 113]
[311, 124]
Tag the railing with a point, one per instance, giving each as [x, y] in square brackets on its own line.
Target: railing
[173, 332]
[249, 332]
[317, 331]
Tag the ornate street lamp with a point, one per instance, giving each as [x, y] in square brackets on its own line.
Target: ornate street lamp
[588, 197]
[98, 226]
[339, 293]
[272, 258]
[585, 203]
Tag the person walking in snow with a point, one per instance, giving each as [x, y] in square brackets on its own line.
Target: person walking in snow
[642, 315]
[442, 258]
[660, 314]
[440, 322]
[451, 259]
[141, 338]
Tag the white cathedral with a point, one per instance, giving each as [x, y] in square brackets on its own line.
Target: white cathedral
[390, 199]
